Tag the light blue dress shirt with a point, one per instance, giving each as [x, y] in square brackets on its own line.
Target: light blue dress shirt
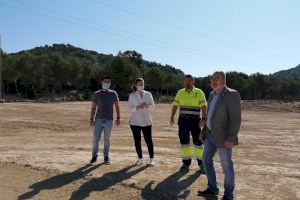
[211, 108]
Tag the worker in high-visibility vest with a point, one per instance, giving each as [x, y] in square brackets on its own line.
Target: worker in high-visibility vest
[192, 116]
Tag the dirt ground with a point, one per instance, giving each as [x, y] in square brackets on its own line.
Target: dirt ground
[45, 148]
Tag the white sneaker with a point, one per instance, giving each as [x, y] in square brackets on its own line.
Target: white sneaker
[139, 161]
[152, 161]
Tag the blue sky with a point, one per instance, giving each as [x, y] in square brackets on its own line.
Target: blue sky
[195, 36]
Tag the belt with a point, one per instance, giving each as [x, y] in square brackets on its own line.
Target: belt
[189, 116]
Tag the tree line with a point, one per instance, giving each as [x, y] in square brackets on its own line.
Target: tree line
[57, 70]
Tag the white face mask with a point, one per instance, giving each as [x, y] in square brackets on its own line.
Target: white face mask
[139, 87]
[105, 86]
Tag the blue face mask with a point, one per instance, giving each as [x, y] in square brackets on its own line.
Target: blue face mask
[105, 86]
[139, 88]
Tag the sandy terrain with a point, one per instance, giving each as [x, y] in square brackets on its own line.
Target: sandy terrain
[45, 148]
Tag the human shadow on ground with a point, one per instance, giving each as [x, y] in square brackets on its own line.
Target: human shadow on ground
[105, 181]
[173, 187]
[208, 197]
[58, 181]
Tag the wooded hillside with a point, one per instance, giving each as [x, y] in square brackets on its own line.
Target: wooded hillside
[62, 70]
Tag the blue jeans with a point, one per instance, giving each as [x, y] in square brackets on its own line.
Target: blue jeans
[102, 125]
[225, 155]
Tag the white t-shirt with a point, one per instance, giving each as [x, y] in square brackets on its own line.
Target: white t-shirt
[140, 117]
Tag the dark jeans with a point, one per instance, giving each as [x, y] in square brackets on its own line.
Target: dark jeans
[187, 127]
[147, 132]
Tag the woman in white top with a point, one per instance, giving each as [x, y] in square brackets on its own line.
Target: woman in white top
[140, 103]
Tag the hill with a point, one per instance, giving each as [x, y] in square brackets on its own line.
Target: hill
[67, 51]
[63, 71]
[293, 72]
[51, 70]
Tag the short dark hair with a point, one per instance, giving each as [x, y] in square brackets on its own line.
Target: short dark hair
[189, 76]
[105, 77]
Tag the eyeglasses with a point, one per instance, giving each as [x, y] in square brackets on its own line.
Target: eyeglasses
[215, 78]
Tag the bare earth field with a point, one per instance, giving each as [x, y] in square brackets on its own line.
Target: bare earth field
[45, 148]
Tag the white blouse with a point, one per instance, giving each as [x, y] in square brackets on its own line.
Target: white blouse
[140, 117]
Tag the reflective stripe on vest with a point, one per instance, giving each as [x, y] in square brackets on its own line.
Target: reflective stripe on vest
[189, 110]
